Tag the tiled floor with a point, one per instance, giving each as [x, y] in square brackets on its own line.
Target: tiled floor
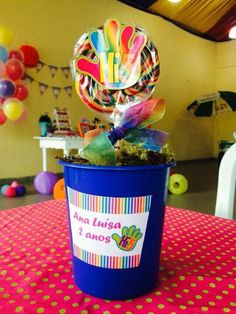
[201, 195]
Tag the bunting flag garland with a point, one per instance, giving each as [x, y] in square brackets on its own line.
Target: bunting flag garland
[28, 79]
[66, 71]
[53, 69]
[68, 90]
[56, 91]
[39, 66]
[43, 87]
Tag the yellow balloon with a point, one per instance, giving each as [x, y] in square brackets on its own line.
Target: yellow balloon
[13, 109]
[6, 36]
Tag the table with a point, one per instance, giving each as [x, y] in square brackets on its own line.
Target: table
[58, 142]
[197, 272]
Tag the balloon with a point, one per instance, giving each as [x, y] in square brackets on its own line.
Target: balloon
[31, 56]
[2, 69]
[16, 54]
[14, 69]
[3, 54]
[7, 88]
[20, 190]
[23, 116]
[3, 118]
[44, 182]
[2, 101]
[13, 109]
[59, 190]
[10, 192]
[3, 188]
[21, 91]
[5, 36]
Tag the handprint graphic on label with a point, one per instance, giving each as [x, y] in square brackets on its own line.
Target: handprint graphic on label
[128, 239]
[118, 52]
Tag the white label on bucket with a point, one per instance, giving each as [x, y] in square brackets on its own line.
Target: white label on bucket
[108, 231]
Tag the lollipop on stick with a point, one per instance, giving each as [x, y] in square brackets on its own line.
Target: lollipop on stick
[115, 70]
[115, 67]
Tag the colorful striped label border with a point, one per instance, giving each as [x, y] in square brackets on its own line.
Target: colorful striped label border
[110, 205]
[114, 262]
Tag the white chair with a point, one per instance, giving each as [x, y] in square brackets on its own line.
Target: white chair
[226, 184]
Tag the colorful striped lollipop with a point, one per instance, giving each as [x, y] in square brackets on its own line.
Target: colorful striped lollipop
[115, 67]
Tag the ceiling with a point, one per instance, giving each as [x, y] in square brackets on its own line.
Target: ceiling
[210, 19]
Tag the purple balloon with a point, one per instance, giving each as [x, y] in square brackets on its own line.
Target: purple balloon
[44, 182]
[7, 88]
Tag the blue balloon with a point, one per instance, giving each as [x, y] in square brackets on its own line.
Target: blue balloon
[3, 54]
[7, 88]
[3, 188]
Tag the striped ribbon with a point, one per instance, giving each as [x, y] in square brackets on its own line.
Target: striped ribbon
[110, 205]
[114, 262]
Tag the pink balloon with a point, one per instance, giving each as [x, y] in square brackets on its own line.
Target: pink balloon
[3, 118]
[21, 91]
[2, 69]
[14, 69]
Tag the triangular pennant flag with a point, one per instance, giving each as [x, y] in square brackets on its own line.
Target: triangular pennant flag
[42, 88]
[39, 66]
[56, 91]
[68, 90]
[65, 71]
[27, 79]
[53, 70]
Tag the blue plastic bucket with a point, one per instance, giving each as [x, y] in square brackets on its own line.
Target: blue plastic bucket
[116, 217]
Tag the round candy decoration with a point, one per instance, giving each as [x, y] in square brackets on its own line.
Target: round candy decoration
[114, 67]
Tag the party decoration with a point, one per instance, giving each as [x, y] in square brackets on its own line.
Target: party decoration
[44, 182]
[14, 184]
[3, 188]
[2, 99]
[2, 69]
[56, 91]
[3, 54]
[178, 184]
[12, 89]
[16, 54]
[59, 190]
[14, 69]
[3, 118]
[6, 36]
[31, 56]
[10, 192]
[121, 64]
[13, 189]
[115, 70]
[20, 190]
[13, 108]
[21, 92]
[23, 117]
[7, 88]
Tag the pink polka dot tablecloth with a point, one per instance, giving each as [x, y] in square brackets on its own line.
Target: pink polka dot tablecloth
[197, 269]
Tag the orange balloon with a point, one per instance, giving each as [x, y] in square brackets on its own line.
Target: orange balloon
[59, 190]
